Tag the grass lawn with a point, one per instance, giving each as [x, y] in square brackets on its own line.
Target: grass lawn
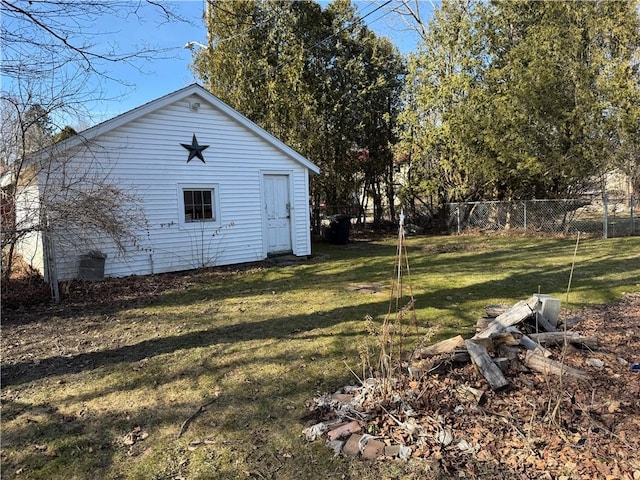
[102, 391]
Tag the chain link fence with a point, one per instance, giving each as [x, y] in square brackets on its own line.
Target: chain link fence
[612, 217]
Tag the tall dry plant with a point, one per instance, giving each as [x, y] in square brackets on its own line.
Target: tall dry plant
[556, 389]
[390, 338]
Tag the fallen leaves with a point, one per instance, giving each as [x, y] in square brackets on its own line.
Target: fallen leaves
[538, 428]
[132, 438]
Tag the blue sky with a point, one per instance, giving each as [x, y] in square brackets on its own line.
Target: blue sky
[154, 78]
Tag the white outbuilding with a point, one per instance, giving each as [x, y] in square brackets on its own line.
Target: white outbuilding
[210, 188]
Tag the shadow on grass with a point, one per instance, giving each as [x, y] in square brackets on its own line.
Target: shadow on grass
[115, 295]
[331, 267]
[47, 439]
[27, 371]
[253, 412]
[516, 286]
[247, 414]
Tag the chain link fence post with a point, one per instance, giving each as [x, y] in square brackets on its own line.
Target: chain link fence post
[605, 216]
[632, 206]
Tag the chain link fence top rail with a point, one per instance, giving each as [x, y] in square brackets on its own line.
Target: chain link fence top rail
[613, 217]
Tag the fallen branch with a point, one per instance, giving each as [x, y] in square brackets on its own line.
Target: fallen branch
[187, 422]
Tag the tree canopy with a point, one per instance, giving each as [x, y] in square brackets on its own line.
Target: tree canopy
[522, 99]
[319, 79]
[502, 100]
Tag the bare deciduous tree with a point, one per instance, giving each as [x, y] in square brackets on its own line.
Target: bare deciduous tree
[42, 38]
[55, 62]
[50, 198]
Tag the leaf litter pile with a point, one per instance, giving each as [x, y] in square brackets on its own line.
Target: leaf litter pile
[553, 410]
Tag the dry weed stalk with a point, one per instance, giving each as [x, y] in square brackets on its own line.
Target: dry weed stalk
[556, 394]
[390, 336]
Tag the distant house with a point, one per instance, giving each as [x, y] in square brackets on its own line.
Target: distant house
[213, 187]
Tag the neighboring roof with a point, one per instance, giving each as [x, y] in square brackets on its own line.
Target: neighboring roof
[170, 98]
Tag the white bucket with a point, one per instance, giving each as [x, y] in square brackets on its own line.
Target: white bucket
[549, 307]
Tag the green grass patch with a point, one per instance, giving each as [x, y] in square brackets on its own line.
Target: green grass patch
[259, 344]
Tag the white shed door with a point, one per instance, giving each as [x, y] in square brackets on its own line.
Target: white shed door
[277, 207]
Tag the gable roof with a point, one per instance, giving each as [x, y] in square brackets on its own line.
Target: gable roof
[131, 115]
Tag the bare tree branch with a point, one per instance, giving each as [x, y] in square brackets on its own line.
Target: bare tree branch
[40, 38]
[53, 64]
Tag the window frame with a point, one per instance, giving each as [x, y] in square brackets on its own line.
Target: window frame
[215, 207]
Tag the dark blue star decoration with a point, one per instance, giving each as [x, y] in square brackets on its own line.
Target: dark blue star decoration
[195, 150]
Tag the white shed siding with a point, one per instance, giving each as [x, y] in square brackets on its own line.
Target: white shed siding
[145, 155]
[30, 245]
[303, 218]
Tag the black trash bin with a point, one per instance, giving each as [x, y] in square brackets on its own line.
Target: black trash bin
[338, 230]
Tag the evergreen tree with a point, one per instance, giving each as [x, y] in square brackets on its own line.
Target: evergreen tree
[560, 88]
[513, 100]
[443, 80]
[320, 80]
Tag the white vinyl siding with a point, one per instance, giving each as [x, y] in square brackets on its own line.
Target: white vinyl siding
[145, 157]
[29, 246]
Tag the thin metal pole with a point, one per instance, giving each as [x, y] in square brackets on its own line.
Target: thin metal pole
[605, 216]
[632, 206]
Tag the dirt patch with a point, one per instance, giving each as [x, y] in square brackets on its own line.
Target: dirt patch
[40, 338]
[542, 427]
